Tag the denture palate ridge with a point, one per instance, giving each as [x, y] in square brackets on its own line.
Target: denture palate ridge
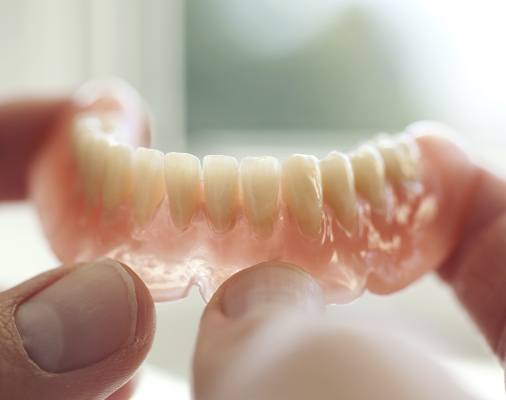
[113, 172]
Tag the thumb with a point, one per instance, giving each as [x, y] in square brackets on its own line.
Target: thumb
[74, 333]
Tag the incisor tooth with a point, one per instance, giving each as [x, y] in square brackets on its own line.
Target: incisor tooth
[339, 188]
[182, 178]
[94, 161]
[221, 191]
[302, 192]
[400, 162]
[369, 172]
[260, 179]
[118, 176]
[149, 186]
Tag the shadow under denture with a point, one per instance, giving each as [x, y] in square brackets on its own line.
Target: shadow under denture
[367, 219]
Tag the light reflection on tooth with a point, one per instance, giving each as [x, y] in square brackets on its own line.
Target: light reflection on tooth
[369, 171]
[118, 176]
[149, 186]
[221, 191]
[302, 192]
[339, 188]
[182, 178]
[260, 180]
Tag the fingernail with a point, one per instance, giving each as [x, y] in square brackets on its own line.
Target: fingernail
[270, 287]
[80, 319]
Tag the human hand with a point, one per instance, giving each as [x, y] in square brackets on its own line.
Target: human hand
[258, 341]
[70, 333]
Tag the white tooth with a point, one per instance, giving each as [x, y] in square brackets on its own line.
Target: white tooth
[302, 192]
[369, 171]
[260, 180]
[339, 188]
[93, 167]
[118, 176]
[149, 186]
[399, 158]
[221, 191]
[182, 178]
[83, 128]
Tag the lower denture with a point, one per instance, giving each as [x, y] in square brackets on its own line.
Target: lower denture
[368, 220]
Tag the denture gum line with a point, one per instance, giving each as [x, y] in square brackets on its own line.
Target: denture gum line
[348, 206]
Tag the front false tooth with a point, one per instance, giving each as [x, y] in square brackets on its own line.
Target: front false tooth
[399, 158]
[182, 178]
[369, 171]
[339, 188]
[118, 176]
[260, 180]
[148, 187]
[94, 161]
[221, 191]
[302, 192]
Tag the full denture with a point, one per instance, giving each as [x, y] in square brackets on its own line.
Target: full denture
[343, 219]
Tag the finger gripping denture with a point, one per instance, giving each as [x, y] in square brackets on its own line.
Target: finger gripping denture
[357, 220]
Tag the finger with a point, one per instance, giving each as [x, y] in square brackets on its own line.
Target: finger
[24, 128]
[262, 337]
[236, 315]
[74, 333]
[475, 268]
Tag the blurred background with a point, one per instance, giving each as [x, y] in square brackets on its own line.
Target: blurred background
[275, 77]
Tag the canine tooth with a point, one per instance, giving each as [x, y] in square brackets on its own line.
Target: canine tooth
[118, 176]
[149, 186]
[369, 171]
[339, 188]
[400, 160]
[260, 180]
[182, 178]
[93, 167]
[302, 192]
[221, 191]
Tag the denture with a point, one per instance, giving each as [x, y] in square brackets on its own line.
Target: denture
[375, 218]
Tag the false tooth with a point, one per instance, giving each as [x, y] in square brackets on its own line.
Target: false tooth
[369, 171]
[302, 192]
[400, 162]
[221, 191]
[93, 167]
[83, 128]
[149, 186]
[182, 178]
[118, 176]
[260, 180]
[339, 188]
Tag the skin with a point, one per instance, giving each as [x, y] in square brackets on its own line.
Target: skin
[248, 342]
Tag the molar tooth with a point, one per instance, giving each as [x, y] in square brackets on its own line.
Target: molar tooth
[93, 167]
[339, 188]
[82, 129]
[118, 176]
[369, 171]
[149, 187]
[302, 192]
[182, 178]
[221, 191]
[260, 180]
[399, 158]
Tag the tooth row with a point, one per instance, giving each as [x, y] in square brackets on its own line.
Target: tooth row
[112, 172]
